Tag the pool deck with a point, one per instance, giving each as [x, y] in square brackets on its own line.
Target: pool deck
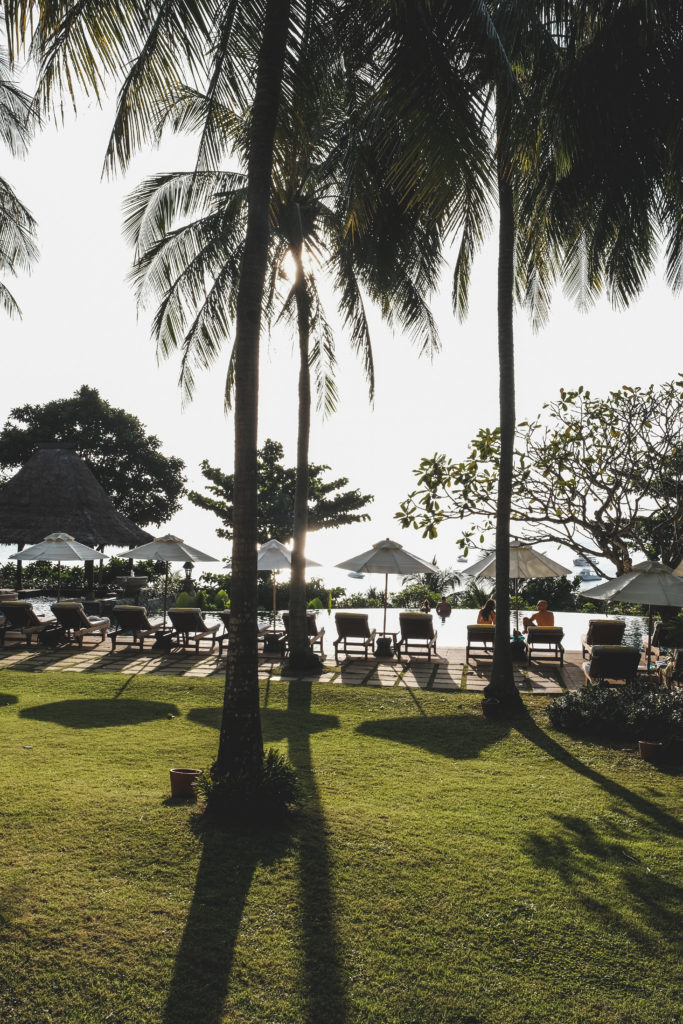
[446, 672]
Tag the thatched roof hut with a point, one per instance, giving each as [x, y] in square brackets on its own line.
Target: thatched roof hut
[54, 491]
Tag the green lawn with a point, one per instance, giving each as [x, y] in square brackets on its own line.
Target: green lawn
[443, 868]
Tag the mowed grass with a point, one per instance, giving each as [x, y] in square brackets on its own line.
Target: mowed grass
[442, 868]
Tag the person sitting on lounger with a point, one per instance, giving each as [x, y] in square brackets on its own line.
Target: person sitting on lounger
[541, 617]
[487, 614]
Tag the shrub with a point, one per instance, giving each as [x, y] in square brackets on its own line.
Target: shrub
[634, 712]
[271, 795]
[315, 603]
[184, 600]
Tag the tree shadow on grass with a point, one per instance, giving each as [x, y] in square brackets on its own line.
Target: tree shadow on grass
[641, 903]
[455, 736]
[99, 714]
[225, 876]
[324, 974]
[203, 964]
[276, 723]
[657, 815]
[7, 698]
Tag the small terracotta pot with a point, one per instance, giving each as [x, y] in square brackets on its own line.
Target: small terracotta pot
[184, 780]
[651, 751]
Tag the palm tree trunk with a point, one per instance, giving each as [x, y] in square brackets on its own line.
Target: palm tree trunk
[240, 748]
[301, 655]
[502, 685]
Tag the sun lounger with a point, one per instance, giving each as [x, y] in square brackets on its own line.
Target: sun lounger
[315, 635]
[21, 621]
[353, 631]
[76, 624]
[131, 620]
[480, 638]
[602, 631]
[417, 631]
[612, 662]
[545, 642]
[189, 625]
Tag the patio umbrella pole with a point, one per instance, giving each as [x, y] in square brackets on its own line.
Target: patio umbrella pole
[165, 594]
[386, 598]
[274, 600]
[649, 637]
[59, 577]
[516, 607]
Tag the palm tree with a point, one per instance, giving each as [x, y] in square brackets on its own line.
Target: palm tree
[77, 43]
[18, 249]
[187, 230]
[582, 191]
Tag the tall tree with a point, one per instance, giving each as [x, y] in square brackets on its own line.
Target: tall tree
[18, 248]
[188, 233]
[113, 442]
[582, 186]
[159, 43]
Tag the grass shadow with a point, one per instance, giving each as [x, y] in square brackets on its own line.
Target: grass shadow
[276, 723]
[203, 964]
[460, 737]
[644, 906]
[99, 714]
[324, 972]
[7, 698]
[528, 728]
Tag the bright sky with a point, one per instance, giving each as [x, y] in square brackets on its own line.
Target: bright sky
[80, 325]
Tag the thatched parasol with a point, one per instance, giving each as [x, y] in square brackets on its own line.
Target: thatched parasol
[56, 492]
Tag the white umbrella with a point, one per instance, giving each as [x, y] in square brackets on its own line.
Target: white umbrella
[273, 556]
[648, 583]
[57, 547]
[167, 549]
[525, 564]
[387, 557]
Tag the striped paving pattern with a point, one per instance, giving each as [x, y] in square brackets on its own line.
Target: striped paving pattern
[448, 672]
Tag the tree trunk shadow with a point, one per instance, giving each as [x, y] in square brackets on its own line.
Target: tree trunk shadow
[529, 729]
[324, 980]
[203, 964]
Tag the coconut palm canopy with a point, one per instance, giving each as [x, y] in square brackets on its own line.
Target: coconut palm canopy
[55, 491]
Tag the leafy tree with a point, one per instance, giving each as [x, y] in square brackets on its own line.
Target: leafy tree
[562, 593]
[112, 442]
[597, 475]
[18, 249]
[329, 504]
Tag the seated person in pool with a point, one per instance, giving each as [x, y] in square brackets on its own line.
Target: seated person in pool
[487, 614]
[443, 608]
[541, 617]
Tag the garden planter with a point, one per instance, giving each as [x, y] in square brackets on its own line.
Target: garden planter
[384, 647]
[184, 780]
[651, 751]
[491, 707]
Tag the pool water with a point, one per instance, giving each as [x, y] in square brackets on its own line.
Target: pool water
[452, 632]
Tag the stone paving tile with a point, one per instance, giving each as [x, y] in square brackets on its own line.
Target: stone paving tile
[448, 677]
[385, 674]
[448, 672]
